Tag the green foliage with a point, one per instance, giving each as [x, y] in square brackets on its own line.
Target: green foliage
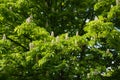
[29, 52]
[4, 45]
[32, 31]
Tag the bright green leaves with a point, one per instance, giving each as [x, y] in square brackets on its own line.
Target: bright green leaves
[55, 56]
[21, 3]
[8, 11]
[4, 46]
[96, 30]
[32, 31]
[113, 15]
[103, 6]
[8, 16]
[114, 12]
[99, 28]
[1, 17]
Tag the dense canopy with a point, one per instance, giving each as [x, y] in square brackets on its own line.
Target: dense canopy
[59, 39]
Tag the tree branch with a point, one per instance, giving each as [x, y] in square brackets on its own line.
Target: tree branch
[18, 43]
